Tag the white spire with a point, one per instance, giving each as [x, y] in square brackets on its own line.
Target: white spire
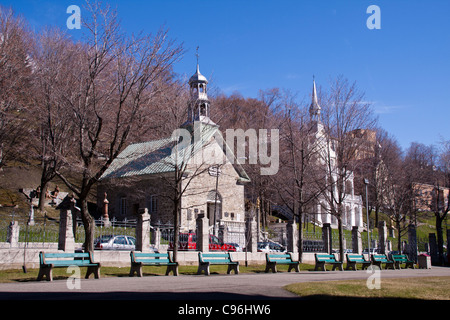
[314, 109]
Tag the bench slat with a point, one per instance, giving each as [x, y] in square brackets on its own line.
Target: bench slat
[279, 256]
[153, 261]
[67, 255]
[144, 254]
[218, 261]
[215, 255]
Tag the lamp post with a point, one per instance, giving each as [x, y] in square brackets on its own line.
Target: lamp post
[366, 182]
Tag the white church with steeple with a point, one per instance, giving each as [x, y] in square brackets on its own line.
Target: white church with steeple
[324, 145]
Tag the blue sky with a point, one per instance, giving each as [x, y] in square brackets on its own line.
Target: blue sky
[245, 46]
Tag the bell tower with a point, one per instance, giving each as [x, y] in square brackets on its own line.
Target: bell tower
[199, 105]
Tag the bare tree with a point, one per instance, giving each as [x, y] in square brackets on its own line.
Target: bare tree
[15, 84]
[116, 76]
[53, 80]
[398, 192]
[344, 110]
[442, 207]
[431, 166]
[297, 182]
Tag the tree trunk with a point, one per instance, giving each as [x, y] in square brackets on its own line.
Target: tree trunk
[89, 226]
[440, 239]
[176, 230]
[341, 238]
[300, 238]
[399, 243]
[44, 186]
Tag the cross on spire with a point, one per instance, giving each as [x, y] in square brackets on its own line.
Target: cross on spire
[196, 54]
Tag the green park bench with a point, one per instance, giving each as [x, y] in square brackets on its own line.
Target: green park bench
[48, 261]
[323, 259]
[140, 259]
[353, 259]
[379, 259]
[207, 259]
[273, 259]
[402, 259]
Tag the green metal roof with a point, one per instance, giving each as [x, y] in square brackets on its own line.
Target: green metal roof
[160, 156]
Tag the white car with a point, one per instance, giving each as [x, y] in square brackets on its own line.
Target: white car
[112, 242]
[268, 246]
[372, 251]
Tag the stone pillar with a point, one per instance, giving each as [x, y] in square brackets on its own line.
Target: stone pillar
[66, 241]
[202, 233]
[31, 216]
[143, 231]
[326, 237]
[105, 215]
[223, 231]
[292, 237]
[389, 245]
[412, 243]
[252, 245]
[13, 234]
[156, 237]
[382, 236]
[356, 240]
[433, 249]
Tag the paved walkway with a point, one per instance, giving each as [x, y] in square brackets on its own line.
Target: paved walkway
[245, 286]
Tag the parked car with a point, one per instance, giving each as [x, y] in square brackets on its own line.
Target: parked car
[115, 242]
[269, 246]
[237, 246]
[372, 251]
[188, 241]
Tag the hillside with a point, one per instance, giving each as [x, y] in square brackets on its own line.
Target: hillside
[13, 180]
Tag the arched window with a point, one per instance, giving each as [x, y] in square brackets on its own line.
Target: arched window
[212, 196]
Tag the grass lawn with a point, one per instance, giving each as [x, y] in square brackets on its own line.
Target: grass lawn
[426, 288]
[17, 275]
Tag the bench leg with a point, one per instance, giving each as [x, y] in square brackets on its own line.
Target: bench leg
[271, 266]
[337, 265]
[294, 266]
[203, 267]
[136, 268]
[93, 270]
[389, 265]
[365, 266]
[46, 272]
[320, 265]
[351, 265]
[234, 267]
[173, 269]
